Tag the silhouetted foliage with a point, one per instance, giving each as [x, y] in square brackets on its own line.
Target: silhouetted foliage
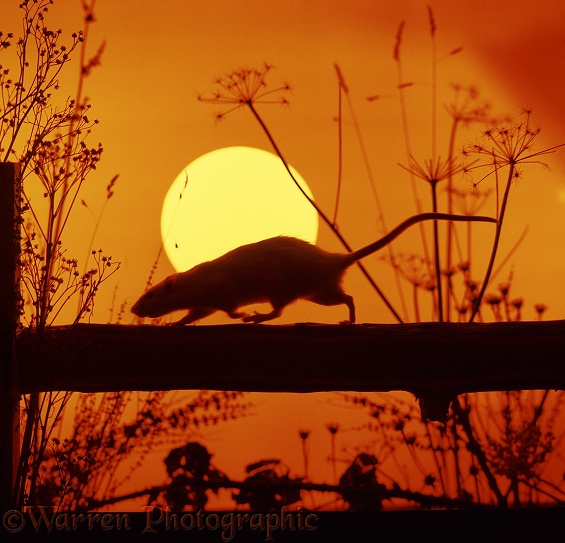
[184, 465]
[90, 467]
[271, 495]
[362, 475]
[48, 136]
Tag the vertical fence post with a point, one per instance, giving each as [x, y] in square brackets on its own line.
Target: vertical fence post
[9, 393]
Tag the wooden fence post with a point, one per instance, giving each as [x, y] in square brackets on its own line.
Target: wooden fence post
[9, 392]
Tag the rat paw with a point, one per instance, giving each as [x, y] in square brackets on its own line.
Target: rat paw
[238, 315]
[256, 318]
[251, 318]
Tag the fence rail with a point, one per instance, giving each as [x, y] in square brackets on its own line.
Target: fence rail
[435, 361]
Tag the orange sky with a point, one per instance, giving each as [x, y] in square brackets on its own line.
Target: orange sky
[158, 60]
[160, 55]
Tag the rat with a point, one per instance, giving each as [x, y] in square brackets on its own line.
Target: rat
[277, 270]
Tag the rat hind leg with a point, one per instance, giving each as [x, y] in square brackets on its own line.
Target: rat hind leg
[278, 304]
[235, 314]
[335, 297]
[262, 317]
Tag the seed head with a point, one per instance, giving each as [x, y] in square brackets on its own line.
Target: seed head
[434, 170]
[246, 87]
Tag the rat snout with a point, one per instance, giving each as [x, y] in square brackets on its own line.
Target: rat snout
[136, 310]
[144, 308]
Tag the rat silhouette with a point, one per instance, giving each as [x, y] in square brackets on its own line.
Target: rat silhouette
[277, 270]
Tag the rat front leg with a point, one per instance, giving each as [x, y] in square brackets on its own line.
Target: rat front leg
[194, 314]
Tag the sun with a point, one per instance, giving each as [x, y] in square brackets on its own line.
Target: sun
[228, 198]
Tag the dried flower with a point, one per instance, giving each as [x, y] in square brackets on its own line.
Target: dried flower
[396, 53]
[469, 202]
[434, 170]
[465, 107]
[333, 427]
[245, 87]
[414, 268]
[493, 299]
[506, 145]
[464, 266]
[504, 289]
[540, 310]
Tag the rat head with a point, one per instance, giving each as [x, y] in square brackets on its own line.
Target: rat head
[159, 300]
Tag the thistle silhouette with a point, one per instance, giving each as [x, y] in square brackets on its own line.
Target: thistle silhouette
[506, 146]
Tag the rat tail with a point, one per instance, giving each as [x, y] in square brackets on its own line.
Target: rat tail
[393, 234]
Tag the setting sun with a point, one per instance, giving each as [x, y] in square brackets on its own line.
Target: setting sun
[231, 197]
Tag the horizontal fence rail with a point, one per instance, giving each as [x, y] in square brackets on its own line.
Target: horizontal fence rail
[434, 361]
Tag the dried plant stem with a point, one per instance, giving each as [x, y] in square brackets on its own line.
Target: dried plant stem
[340, 152]
[25, 456]
[433, 184]
[54, 151]
[334, 467]
[498, 231]
[43, 306]
[462, 414]
[436, 456]
[450, 226]
[323, 216]
[305, 459]
[402, 85]
[61, 217]
[416, 304]
[434, 82]
[469, 250]
[33, 407]
[93, 237]
[505, 260]
[456, 457]
[371, 177]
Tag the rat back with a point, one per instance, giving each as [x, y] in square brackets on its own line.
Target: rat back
[277, 270]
